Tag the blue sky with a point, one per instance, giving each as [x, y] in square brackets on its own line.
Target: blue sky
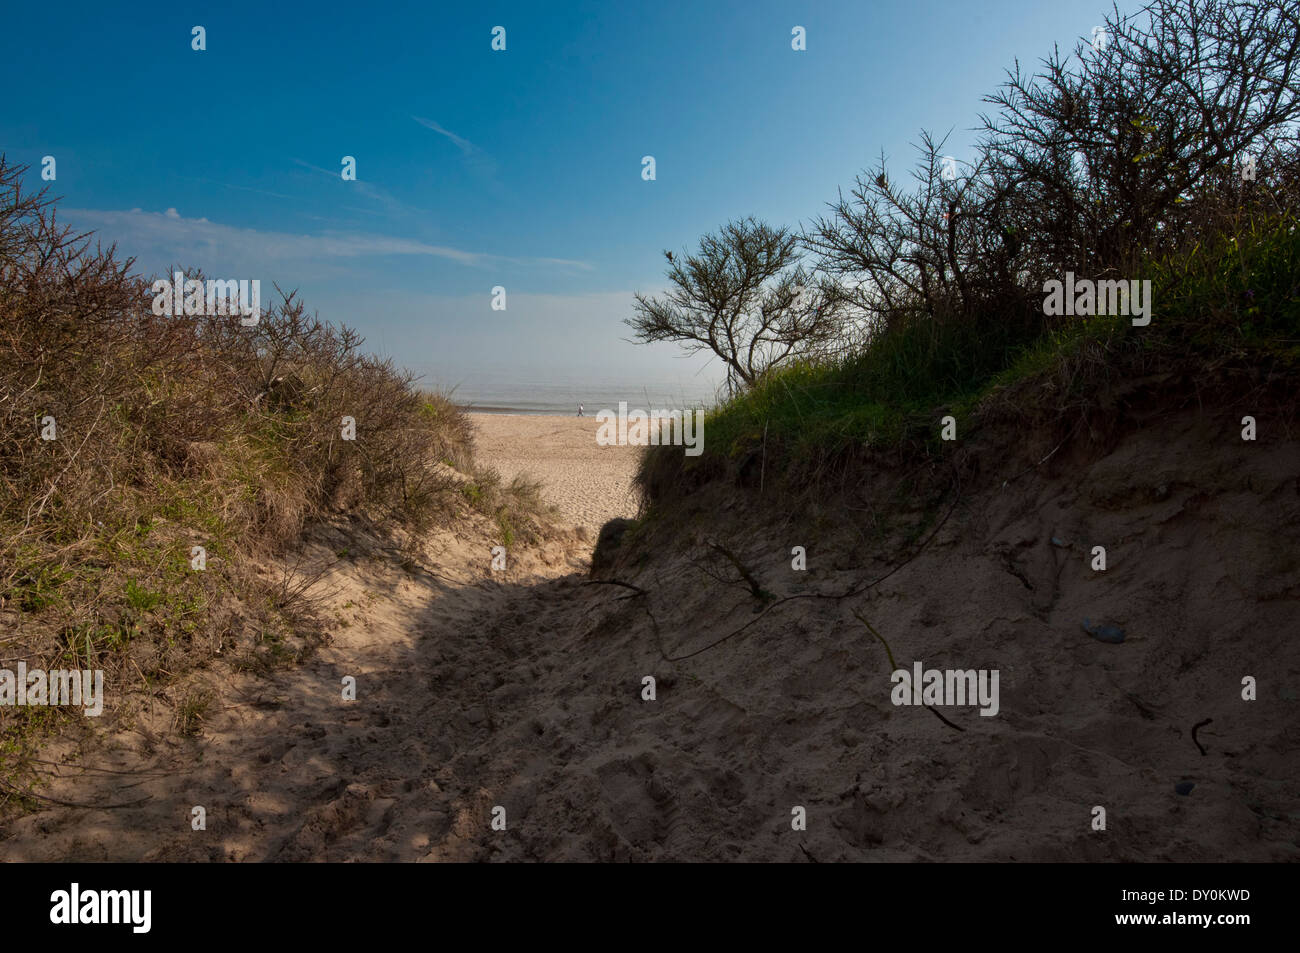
[478, 168]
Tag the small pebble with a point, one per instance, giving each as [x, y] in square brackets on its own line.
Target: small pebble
[1184, 787]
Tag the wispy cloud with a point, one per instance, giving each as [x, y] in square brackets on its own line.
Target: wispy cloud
[245, 188]
[241, 188]
[476, 160]
[367, 189]
[562, 262]
[465, 146]
[160, 239]
[332, 173]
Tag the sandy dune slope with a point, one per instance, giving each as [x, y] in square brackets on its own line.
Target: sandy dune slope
[525, 692]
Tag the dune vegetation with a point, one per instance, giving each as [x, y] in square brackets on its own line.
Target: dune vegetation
[1169, 156]
[157, 471]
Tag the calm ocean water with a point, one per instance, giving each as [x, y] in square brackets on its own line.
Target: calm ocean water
[506, 394]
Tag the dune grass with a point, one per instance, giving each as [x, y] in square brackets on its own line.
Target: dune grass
[187, 458]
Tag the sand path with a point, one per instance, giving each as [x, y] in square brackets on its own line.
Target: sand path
[288, 770]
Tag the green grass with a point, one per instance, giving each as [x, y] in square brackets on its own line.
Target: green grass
[37, 582]
[1236, 297]
[507, 530]
[888, 396]
[141, 599]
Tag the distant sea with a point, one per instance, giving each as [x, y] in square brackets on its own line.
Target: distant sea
[506, 394]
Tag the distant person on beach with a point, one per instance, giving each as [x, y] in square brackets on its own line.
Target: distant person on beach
[580, 410]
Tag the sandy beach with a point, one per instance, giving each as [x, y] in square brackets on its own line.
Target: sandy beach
[589, 483]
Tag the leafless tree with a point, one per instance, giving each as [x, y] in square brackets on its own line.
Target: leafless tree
[942, 247]
[1116, 143]
[1100, 159]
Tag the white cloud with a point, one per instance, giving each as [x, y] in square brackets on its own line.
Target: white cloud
[476, 160]
[464, 145]
[159, 240]
[369, 190]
